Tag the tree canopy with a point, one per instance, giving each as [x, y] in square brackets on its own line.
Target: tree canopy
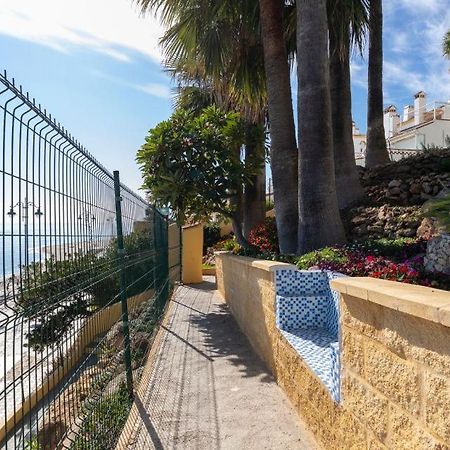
[191, 163]
[446, 44]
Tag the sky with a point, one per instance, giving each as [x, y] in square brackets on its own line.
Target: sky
[96, 66]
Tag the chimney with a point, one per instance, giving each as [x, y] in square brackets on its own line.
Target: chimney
[408, 112]
[419, 107]
[390, 124]
[395, 124]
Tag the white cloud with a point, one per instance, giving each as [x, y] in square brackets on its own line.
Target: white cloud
[414, 30]
[111, 27]
[358, 73]
[153, 89]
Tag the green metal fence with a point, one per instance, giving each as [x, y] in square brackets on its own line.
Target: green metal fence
[85, 278]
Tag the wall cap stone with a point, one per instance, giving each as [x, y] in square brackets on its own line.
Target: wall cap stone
[420, 301]
[268, 266]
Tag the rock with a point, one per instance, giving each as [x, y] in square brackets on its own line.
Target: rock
[394, 183]
[375, 229]
[403, 168]
[114, 385]
[424, 197]
[408, 232]
[395, 191]
[415, 188]
[361, 230]
[358, 220]
[427, 229]
[437, 258]
[426, 188]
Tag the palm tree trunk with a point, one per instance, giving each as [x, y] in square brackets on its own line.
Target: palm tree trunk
[254, 210]
[348, 186]
[376, 152]
[319, 220]
[237, 230]
[284, 152]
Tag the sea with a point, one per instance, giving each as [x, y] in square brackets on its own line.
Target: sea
[15, 253]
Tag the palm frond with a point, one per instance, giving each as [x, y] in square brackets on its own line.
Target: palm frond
[446, 44]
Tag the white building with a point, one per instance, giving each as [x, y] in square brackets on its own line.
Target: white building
[359, 141]
[421, 125]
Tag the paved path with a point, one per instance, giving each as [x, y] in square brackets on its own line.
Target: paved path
[208, 390]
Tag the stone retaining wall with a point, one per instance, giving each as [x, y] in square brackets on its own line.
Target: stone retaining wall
[437, 258]
[395, 358]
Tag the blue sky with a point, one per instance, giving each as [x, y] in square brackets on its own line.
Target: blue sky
[95, 65]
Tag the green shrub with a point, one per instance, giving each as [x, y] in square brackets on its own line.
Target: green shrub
[444, 165]
[104, 422]
[326, 254]
[439, 208]
[228, 244]
[211, 236]
[383, 246]
[269, 205]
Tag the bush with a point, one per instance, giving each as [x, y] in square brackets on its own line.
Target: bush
[211, 236]
[264, 237]
[327, 254]
[59, 292]
[391, 259]
[229, 245]
[439, 208]
[104, 422]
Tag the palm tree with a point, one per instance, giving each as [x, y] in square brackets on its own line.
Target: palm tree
[284, 152]
[347, 20]
[446, 44]
[224, 40]
[376, 151]
[319, 219]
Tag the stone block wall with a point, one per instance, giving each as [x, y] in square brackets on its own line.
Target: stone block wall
[395, 352]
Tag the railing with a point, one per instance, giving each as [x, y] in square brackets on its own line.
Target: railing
[79, 253]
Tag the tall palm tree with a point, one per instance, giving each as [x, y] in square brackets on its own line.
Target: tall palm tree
[446, 44]
[347, 20]
[284, 152]
[376, 151]
[224, 39]
[319, 219]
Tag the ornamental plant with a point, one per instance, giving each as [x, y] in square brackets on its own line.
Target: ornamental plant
[395, 260]
[264, 236]
[191, 164]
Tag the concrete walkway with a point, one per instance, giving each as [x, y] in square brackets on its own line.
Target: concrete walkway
[207, 389]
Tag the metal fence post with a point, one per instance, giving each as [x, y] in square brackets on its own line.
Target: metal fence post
[123, 287]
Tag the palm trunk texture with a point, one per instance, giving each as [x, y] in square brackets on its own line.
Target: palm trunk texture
[376, 152]
[319, 219]
[284, 152]
[348, 185]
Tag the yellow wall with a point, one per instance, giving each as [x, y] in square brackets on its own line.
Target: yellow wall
[174, 252]
[395, 359]
[192, 253]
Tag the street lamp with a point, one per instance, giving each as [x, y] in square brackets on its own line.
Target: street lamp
[26, 205]
[88, 218]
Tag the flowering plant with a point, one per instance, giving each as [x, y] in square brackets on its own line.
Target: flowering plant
[264, 237]
[387, 259]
